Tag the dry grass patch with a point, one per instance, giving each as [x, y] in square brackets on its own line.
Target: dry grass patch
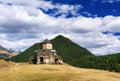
[44, 72]
[6, 65]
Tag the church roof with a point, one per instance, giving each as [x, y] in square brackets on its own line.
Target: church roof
[46, 41]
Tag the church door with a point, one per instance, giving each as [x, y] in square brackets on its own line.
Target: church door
[41, 60]
[56, 61]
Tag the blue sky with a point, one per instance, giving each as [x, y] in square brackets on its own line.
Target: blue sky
[93, 24]
[101, 8]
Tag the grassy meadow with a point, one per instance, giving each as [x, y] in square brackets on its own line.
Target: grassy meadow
[44, 72]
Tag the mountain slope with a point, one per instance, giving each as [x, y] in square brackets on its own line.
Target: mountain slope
[1, 58]
[25, 55]
[106, 62]
[2, 48]
[65, 48]
[68, 49]
[4, 53]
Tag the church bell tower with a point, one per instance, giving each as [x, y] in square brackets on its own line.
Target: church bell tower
[46, 44]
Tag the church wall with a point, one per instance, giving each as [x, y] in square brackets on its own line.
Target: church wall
[38, 60]
[47, 46]
[60, 61]
[46, 55]
[47, 61]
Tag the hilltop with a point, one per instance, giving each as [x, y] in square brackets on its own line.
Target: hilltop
[64, 46]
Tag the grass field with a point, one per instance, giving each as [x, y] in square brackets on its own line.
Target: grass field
[6, 65]
[44, 72]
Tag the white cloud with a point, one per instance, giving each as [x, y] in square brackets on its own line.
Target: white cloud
[23, 24]
[105, 1]
[65, 9]
[32, 5]
[109, 1]
[111, 24]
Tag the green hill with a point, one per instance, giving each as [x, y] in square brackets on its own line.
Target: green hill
[65, 48]
[106, 62]
[75, 55]
[68, 49]
[1, 58]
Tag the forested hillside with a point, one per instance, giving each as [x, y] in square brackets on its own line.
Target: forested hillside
[107, 62]
[68, 49]
[75, 55]
[65, 48]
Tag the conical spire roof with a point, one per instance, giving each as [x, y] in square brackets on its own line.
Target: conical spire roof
[46, 41]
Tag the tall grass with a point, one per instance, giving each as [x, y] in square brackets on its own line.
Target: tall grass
[26, 72]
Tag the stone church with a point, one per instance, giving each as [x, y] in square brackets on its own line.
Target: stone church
[46, 55]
